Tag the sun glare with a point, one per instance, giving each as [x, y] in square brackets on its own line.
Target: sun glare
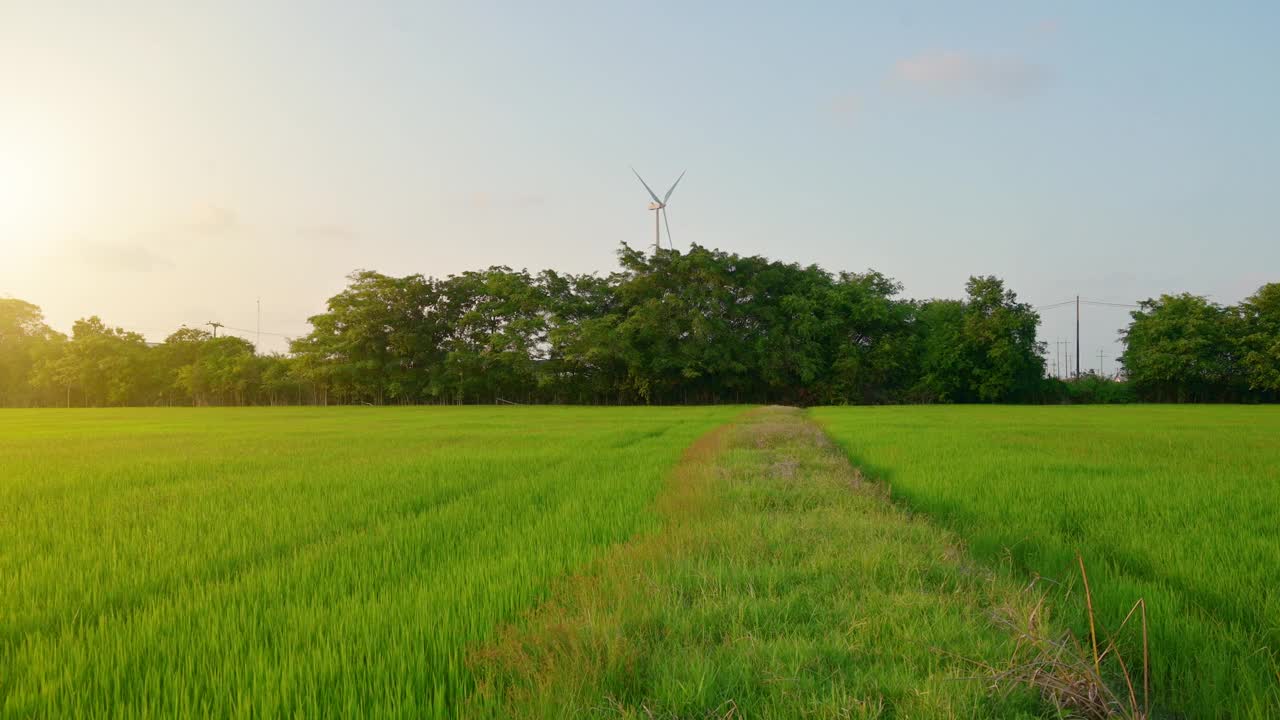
[28, 170]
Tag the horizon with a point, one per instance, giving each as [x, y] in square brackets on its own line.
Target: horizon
[173, 166]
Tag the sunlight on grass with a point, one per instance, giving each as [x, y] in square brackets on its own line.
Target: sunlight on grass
[1177, 505]
[298, 562]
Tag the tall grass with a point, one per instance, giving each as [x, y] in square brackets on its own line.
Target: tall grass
[298, 562]
[781, 585]
[1179, 506]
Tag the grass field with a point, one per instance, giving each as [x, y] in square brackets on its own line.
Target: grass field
[781, 585]
[1178, 505]
[620, 562]
[298, 562]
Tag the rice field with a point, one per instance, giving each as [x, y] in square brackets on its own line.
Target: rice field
[350, 561]
[1179, 505]
[780, 585]
[298, 562]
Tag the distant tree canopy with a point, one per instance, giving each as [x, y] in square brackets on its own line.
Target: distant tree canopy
[698, 327]
[1184, 348]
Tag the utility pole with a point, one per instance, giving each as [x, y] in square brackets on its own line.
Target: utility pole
[1102, 369]
[215, 326]
[1077, 336]
[1057, 344]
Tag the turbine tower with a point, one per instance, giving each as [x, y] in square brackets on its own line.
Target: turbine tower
[659, 208]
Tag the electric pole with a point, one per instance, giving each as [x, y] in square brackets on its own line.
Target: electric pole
[1102, 369]
[1077, 335]
[215, 326]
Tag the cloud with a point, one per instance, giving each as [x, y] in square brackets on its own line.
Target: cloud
[1047, 27]
[483, 200]
[213, 220]
[960, 74]
[201, 226]
[126, 257]
[844, 109]
[328, 231]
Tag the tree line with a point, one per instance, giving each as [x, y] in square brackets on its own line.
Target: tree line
[703, 326]
[1184, 348]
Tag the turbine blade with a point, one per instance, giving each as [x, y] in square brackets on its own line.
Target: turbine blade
[646, 187]
[667, 220]
[673, 187]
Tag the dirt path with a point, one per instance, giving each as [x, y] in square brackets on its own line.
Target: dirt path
[780, 585]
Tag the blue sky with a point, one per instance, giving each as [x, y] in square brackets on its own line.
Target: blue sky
[179, 161]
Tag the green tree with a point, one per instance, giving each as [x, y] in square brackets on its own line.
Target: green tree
[1005, 360]
[497, 335]
[585, 362]
[875, 359]
[945, 365]
[1178, 348]
[223, 372]
[25, 341]
[1260, 340]
[103, 366]
[381, 339]
[176, 357]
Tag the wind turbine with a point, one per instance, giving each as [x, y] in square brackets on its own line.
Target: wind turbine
[659, 207]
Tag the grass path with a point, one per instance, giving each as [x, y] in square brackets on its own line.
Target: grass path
[1176, 505]
[780, 585]
[299, 562]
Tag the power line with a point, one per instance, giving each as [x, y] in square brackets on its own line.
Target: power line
[1077, 301]
[1069, 303]
[1051, 306]
[1109, 304]
[264, 332]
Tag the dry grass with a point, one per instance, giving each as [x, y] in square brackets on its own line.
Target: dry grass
[1085, 680]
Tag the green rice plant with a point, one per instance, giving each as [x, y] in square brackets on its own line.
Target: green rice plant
[1176, 506]
[780, 585]
[299, 562]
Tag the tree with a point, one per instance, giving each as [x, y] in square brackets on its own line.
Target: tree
[25, 341]
[1178, 348]
[380, 339]
[1259, 350]
[176, 358]
[497, 334]
[1005, 360]
[585, 362]
[104, 365]
[279, 382]
[669, 327]
[223, 372]
[945, 365]
[873, 360]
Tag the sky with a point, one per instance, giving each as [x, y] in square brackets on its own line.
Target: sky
[165, 164]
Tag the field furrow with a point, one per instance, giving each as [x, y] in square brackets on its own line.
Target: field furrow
[781, 584]
[167, 563]
[1175, 505]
